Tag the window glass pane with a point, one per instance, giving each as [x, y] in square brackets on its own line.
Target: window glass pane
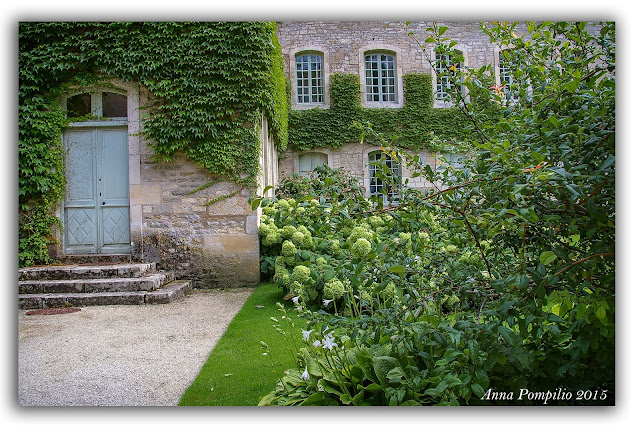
[79, 105]
[380, 77]
[388, 189]
[114, 105]
[306, 78]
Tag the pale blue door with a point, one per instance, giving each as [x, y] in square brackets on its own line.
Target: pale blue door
[96, 212]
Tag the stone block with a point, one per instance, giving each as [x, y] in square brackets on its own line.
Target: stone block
[234, 206]
[231, 244]
[150, 194]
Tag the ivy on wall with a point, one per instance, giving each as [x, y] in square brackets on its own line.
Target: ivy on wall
[210, 83]
[413, 125]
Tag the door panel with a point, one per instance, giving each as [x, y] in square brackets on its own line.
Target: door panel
[96, 214]
[113, 195]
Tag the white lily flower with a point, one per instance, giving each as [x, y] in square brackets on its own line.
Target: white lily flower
[305, 374]
[295, 299]
[317, 343]
[326, 302]
[306, 334]
[328, 342]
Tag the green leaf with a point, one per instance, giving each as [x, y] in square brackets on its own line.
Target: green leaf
[398, 269]
[547, 257]
[508, 335]
[477, 390]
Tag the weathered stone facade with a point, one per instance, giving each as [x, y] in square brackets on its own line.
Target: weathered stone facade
[343, 46]
[215, 245]
[212, 245]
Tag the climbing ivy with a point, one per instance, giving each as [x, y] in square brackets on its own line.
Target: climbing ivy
[415, 125]
[210, 83]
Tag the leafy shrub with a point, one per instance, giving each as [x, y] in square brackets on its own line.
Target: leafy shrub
[501, 277]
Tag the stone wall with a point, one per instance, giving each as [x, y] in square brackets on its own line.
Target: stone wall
[215, 245]
[343, 45]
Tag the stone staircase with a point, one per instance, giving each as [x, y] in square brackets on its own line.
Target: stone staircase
[97, 284]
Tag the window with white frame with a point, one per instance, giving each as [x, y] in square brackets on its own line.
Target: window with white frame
[446, 68]
[450, 159]
[380, 77]
[309, 161]
[385, 175]
[509, 87]
[309, 78]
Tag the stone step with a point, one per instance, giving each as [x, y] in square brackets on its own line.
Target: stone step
[97, 285]
[165, 294]
[93, 259]
[93, 271]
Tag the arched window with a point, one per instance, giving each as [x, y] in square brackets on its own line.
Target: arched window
[100, 104]
[309, 78]
[310, 160]
[380, 77]
[385, 176]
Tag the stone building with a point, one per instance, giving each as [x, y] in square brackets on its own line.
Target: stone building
[380, 54]
[119, 201]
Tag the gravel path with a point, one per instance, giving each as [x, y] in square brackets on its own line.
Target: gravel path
[121, 355]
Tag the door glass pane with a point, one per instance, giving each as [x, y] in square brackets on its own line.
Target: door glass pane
[79, 105]
[114, 105]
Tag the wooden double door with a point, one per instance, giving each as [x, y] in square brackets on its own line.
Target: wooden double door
[96, 204]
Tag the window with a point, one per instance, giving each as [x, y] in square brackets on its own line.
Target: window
[446, 67]
[102, 104]
[309, 161]
[509, 88]
[450, 159]
[380, 77]
[309, 78]
[387, 188]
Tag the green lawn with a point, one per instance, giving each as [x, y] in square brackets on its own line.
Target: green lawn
[237, 373]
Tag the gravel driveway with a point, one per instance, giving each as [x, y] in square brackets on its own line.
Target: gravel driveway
[121, 355]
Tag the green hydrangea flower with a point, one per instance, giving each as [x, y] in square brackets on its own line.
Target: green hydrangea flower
[297, 238]
[288, 231]
[290, 260]
[289, 249]
[333, 289]
[283, 204]
[376, 222]
[272, 238]
[307, 241]
[361, 248]
[301, 273]
[404, 238]
[321, 261]
[360, 232]
[364, 295]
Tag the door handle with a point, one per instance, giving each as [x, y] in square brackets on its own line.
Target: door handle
[103, 203]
